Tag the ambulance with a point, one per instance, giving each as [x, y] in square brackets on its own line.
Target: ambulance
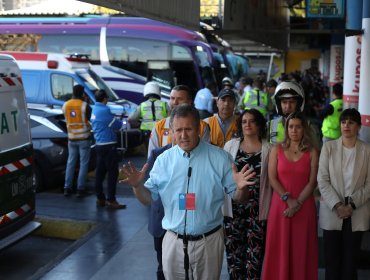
[49, 79]
[17, 195]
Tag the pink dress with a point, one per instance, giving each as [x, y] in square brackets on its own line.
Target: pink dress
[291, 243]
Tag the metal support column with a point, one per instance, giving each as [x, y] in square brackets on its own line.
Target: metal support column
[352, 55]
[364, 95]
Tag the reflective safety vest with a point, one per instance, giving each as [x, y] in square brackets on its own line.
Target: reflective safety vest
[217, 136]
[78, 125]
[276, 130]
[256, 99]
[151, 111]
[162, 128]
[331, 124]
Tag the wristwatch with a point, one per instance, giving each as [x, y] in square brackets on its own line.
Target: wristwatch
[284, 197]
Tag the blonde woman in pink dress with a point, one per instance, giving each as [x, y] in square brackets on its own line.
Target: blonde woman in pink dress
[291, 241]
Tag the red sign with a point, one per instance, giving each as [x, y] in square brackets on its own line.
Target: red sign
[365, 120]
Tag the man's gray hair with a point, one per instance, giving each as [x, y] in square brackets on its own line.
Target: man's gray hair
[185, 110]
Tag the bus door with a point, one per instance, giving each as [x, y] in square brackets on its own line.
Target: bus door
[169, 73]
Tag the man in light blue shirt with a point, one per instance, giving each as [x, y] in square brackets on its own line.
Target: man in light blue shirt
[204, 100]
[191, 179]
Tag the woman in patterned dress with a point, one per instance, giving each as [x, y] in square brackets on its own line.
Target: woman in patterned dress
[245, 224]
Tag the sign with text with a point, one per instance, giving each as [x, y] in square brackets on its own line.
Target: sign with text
[325, 8]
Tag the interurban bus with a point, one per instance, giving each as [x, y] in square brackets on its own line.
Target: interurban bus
[124, 51]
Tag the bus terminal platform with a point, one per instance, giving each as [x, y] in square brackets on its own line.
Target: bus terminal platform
[118, 245]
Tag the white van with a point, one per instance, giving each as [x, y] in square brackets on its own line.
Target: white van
[17, 195]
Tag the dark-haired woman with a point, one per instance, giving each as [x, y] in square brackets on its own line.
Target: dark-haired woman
[245, 224]
[291, 240]
[344, 183]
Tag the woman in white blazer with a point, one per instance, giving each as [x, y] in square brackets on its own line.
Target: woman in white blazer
[245, 228]
[344, 182]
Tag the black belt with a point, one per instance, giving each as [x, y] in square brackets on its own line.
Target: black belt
[197, 237]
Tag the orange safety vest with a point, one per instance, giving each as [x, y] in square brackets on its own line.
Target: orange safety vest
[162, 128]
[78, 125]
[217, 136]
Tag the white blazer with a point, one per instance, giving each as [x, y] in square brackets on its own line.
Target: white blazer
[331, 185]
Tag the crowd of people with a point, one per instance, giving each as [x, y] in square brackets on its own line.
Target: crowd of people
[235, 169]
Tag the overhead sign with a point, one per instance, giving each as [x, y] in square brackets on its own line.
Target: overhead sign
[325, 8]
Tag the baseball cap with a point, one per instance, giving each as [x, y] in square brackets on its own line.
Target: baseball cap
[226, 92]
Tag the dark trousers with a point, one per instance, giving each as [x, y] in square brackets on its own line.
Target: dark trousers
[158, 249]
[106, 163]
[146, 137]
[341, 250]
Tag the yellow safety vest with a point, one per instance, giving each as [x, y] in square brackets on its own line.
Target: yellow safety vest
[217, 136]
[276, 130]
[256, 99]
[331, 124]
[152, 111]
[78, 125]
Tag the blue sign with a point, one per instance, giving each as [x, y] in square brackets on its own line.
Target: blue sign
[325, 8]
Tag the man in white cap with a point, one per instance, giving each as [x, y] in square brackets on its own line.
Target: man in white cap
[150, 111]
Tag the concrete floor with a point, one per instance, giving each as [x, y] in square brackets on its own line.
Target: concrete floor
[119, 247]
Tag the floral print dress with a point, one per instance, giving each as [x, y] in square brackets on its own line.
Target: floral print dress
[244, 233]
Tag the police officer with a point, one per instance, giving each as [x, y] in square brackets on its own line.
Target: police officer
[257, 98]
[77, 114]
[289, 98]
[331, 125]
[150, 111]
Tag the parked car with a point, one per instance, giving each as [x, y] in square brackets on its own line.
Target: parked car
[50, 144]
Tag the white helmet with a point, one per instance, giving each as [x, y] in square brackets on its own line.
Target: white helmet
[152, 88]
[227, 81]
[289, 89]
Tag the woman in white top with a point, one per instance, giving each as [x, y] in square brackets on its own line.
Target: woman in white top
[344, 183]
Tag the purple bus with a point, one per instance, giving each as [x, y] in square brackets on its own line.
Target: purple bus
[126, 52]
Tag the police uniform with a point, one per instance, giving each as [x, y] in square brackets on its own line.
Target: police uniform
[331, 124]
[256, 99]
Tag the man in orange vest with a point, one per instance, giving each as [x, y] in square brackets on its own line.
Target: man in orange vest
[160, 137]
[77, 114]
[223, 125]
